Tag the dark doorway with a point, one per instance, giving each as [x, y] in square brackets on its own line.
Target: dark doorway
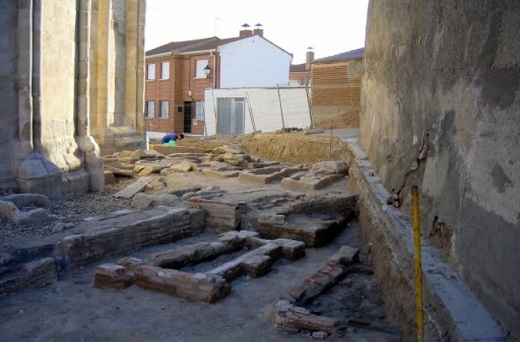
[187, 117]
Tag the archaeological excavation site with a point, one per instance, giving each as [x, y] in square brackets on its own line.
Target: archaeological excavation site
[204, 226]
[212, 240]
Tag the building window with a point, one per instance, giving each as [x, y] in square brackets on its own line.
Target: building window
[150, 74]
[199, 110]
[165, 110]
[201, 64]
[150, 109]
[165, 70]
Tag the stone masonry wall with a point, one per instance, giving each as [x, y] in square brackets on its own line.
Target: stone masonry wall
[58, 37]
[69, 84]
[9, 129]
[441, 110]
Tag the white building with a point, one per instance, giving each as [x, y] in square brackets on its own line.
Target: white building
[253, 62]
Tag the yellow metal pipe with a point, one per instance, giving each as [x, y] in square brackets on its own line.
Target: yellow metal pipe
[418, 267]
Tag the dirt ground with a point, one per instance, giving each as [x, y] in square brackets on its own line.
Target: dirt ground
[345, 120]
[72, 309]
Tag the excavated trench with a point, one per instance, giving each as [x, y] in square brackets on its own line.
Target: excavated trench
[282, 242]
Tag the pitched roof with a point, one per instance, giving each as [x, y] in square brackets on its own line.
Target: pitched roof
[187, 46]
[255, 35]
[203, 44]
[298, 68]
[353, 54]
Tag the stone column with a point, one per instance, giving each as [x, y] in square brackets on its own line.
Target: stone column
[135, 64]
[25, 55]
[101, 63]
[131, 62]
[93, 160]
[35, 173]
[141, 17]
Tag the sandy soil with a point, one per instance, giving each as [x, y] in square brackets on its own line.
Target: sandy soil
[72, 309]
[345, 120]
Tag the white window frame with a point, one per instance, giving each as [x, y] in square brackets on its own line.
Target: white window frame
[199, 110]
[150, 71]
[199, 68]
[150, 109]
[164, 109]
[165, 70]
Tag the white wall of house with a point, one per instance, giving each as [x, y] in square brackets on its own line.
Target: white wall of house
[262, 111]
[253, 62]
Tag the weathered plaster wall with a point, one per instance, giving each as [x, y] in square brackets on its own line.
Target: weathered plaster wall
[447, 73]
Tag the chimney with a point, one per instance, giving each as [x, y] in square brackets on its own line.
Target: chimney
[309, 59]
[245, 32]
[258, 30]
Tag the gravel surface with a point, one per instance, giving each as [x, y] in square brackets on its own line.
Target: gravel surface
[69, 213]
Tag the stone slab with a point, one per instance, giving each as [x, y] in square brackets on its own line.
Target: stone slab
[134, 188]
[221, 174]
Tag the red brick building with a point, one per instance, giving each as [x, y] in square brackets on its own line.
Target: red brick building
[178, 73]
[336, 90]
[301, 73]
[175, 83]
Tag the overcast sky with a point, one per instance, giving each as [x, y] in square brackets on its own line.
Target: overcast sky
[328, 26]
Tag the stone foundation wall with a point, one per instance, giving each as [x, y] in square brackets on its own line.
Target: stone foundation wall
[441, 110]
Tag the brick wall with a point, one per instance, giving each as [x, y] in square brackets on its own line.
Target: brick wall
[181, 87]
[336, 90]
